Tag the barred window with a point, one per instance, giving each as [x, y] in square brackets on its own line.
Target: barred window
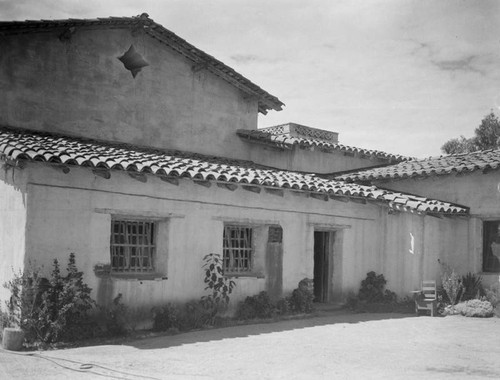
[133, 246]
[237, 249]
[491, 246]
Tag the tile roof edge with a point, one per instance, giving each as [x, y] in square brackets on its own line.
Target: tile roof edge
[250, 135]
[346, 193]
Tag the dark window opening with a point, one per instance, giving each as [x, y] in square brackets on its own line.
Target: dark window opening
[491, 246]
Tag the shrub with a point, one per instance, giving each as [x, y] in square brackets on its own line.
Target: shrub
[258, 306]
[219, 286]
[116, 317]
[4, 321]
[372, 297]
[165, 317]
[301, 300]
[51, 310]
[282, 307]
[452, 284]
[492, 294]
[472, 287]
[194, 315]
[475, 308]
[372, 288]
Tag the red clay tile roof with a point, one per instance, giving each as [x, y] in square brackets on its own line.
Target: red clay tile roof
[199, 58]
[434, 166]
[270, 137]
[18, 144]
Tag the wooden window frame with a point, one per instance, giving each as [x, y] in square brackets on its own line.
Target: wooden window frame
[133, 245]
[238, 249]
[491, 243]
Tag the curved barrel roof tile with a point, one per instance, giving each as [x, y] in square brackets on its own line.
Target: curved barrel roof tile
[287, 141]
[434, 166]
[16, 144]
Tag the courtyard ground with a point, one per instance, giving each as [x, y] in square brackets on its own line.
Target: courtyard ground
[335, 345]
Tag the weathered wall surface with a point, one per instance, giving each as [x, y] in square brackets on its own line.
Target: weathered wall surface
[72, 213]
[311, 160]
[480, 192]
[79, 87]
[12, 226]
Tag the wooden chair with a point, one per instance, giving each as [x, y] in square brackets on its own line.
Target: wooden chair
[426, 299]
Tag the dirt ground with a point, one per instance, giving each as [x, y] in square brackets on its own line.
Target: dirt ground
[336, 345]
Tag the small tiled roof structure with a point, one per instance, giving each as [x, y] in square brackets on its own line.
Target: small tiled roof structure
[17, 146]
[200, 59]
[287, 136]
[434, 166]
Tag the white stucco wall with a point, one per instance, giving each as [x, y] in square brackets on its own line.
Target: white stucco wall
[87, 92]
[312, 160]
[13, 200]
[72, 213]
[481, 193]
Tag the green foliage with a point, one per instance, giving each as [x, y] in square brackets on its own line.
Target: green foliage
[194, 316]
[451, 283]
[219, 286]
[115, 317]
[283, 307]
[475, 308]
[4, 321]
[372, 297]
[165, 317]
[301, 300]
[372, 288]
[51, 310]
[258, 306]
[472, 287]
[492, 294]
[487, 136]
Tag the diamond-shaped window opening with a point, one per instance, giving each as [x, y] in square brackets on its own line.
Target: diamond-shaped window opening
[133, 61]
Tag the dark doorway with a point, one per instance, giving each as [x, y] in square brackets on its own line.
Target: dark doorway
[323, 263]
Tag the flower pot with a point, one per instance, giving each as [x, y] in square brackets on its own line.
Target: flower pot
[12, 339]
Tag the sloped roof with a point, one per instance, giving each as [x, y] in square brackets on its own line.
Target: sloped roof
[18, 144]
[200, 59]
[273, 137]
[434, 166]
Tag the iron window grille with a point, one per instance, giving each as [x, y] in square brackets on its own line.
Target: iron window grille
[491, 246]
[237, 249]
[133, 246]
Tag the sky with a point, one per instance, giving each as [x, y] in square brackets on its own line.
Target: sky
[401, 76]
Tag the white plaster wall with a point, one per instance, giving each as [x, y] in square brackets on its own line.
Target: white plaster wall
[12, 226]
[309, 160]
[480, 192]
[87, 92]
[71, 213]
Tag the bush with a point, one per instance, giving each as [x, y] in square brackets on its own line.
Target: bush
[452, 284]
[165, 317]
[219, 286]
[475, 308]
[194, 315]
[116, 317]
[472, 287]
[258, 306]
[372, 297]
[301, 300]
[51, 310]
[372, 288]
[282, 307]
[4, 321]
